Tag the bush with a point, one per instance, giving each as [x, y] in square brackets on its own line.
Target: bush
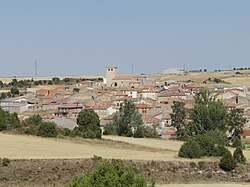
[76, 132]
[5, 162]
[220, 150]
[236, 142]
[139, 132]
[227, 162]
[109, 129]
[206, 143]
[66, 132]
[3, 125]
[110, 174]
[190, 149]
[47, 129]
[239, 156]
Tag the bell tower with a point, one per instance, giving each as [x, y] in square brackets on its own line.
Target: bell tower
[111, 72]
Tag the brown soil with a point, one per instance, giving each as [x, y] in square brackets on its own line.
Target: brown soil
[57, 172]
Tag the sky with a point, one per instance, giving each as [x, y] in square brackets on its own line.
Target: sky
[82, 37]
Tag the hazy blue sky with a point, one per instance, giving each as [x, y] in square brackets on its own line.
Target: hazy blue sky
[82, 37]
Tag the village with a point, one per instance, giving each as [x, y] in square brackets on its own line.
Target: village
[153, 96]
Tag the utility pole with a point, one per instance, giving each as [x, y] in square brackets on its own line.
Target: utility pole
[35, 68]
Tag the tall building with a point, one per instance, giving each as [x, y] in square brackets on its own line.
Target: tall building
[111, 72]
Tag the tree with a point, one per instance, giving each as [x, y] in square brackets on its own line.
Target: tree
[179, 117]
[207, 114]
[34, 120]
[1, 84]
[55, 80]
[125, 118]
[227, 162]
[110, 174]
[3, 125]
[190, 149]
[128, 120]
[236, 122]
[239, 156]
[89, 124]
[47, 129]
[12, 121]
[206, 143]
[14, 91]
[3, 96]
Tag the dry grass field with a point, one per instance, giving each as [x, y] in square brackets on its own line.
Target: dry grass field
[30, 147]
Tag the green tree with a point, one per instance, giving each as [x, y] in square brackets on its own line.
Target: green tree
[128, 120]
[12, 121]
[110, 174]
[207, 114]
[206, 143]
[3, 96]
[1, 84]
[179, 117]
[236, 142]
[14, 91]
[239, 156]
[34, 120]
[56, 80]
[89, 124]
[47, 129]
[227, 162]
[3, 125]
[236, 122]
[124, 118]
[190, 149]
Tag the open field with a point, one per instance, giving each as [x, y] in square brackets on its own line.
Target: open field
[156, 143]
[48, 162]
[30, 147]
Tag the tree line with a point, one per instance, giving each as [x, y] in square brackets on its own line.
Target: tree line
[208, 128]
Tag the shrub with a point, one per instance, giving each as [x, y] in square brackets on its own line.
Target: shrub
[239, 156]
[227, 162]
[3, 125]
[31, 130]
[220, 150]
[190, 149]
[109, 129]
[236, 142]
[206, 143]
[110, 174]
[76, 132]
[139, 132]
[5, 162]
[66, 132]
[47, 129]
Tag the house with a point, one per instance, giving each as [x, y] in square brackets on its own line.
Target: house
[69, 110]
[144, 109]
[166, 95]
[15, 105]
[103, 110]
